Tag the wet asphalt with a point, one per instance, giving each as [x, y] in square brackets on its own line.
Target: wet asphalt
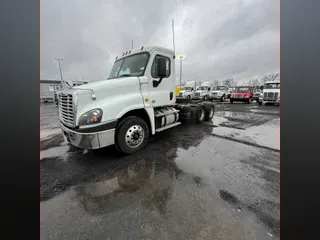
[190, 182]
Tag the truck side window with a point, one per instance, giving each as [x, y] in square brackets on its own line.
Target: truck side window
[154, 66]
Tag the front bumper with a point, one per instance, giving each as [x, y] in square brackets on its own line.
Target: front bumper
[93, 140]
[276, 101]
[239, 99]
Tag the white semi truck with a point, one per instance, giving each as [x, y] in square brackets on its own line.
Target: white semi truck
[188, 90]
[270, 93]
[137, 100]
[203, 91]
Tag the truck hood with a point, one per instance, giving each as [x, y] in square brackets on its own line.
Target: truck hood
[217, 91]
[105, 90]
[183, 92]
[240, 93]
[201, 91]
[271, 90]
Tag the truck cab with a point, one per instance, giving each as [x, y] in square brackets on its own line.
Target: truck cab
[188, 90]
[203, 91]
[137, 100]
[270, 93]
[219, 93]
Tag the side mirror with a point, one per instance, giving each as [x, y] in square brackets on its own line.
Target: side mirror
[161, 67]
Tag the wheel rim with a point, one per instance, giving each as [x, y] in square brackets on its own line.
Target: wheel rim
[201, 114]
[134, 136]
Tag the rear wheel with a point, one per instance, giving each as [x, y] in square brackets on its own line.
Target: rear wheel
[198, 114]
[222, 98]
[131, 135]
[209, 112]
[231, 101]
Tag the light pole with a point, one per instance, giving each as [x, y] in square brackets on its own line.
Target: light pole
[180, 57]
[60, 60]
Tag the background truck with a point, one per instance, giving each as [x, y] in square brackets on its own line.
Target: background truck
[242, 94]
[271, 93]
[188, 90]
[137, 100]
[203, 91]
[219, 93]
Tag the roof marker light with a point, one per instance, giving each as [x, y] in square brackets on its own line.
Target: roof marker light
[141, 48]
[129, 51]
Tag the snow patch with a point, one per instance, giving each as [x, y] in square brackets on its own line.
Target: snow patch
[217, 120]
[48, 133]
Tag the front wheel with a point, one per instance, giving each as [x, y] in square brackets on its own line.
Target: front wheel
[231, 101]
[132, 135]
[206, 98]
[189, 97]
[222, 99]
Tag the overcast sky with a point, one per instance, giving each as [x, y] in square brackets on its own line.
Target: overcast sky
[220, 38]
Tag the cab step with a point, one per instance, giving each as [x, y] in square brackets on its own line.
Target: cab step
[168, 126]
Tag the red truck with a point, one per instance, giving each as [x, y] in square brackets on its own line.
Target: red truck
[242, 94]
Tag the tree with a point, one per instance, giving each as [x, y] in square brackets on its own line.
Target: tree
[270, 77]
[228, 82]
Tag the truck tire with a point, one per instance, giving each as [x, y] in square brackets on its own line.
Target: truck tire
[231, 101]
[209, 112]
[198, 114]
[222, 98]
[131, 135]
[206, 98]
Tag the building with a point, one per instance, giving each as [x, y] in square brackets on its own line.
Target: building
[49, 88]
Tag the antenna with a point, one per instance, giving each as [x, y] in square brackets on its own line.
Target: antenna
[174, 47]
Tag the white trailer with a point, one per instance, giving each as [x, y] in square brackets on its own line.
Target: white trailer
[137, 100]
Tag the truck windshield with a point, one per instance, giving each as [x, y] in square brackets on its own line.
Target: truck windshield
[243, 89]
[272, 86]
[131, 66]
[203, 88]
[220, 88]
[187, 88]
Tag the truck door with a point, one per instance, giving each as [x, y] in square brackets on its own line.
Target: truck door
[164, 93]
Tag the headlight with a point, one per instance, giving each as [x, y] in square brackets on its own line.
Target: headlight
[91, 117]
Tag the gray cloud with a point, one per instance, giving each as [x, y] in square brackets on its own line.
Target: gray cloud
[222, 38]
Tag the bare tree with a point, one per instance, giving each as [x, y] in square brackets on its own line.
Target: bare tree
[270, 77]
[229, 82]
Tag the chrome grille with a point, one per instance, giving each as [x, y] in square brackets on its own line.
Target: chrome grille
[66, 109]
[197, 94]
[270, 95]
[238, 96]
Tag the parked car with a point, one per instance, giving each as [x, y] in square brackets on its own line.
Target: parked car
[242, 94]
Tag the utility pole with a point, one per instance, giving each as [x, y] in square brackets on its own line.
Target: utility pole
[59, 61]
[131, 44]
